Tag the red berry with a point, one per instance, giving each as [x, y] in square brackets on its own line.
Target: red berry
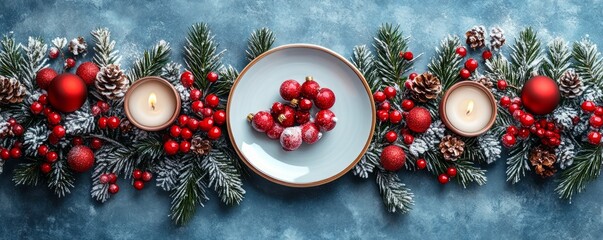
[421, 163]
[43, 99]
[290, 89]
[509, 140]
[309, 89]
[219, 117]
[112, 177]
[36, 108]
[51, 157]
[104, 106]
[185, 146]
[461, 51]
[391, 136]
[206, 124]
[471, 64]
[195, 94]
[305, 104]
[96, 110]
[137, 174]
[102, 122]
[69, 63]
[505, 101]
[451, 171]
[15, 153]
[443, 178]
[18, 130]
[52, 139]
[589, 106]
[96, 143]
[171, 147]
[113, 188]
[103, 179]
[390, 92]
[382, 115]
[175, 131]
[408, 139]
[523, 133]
[326, 120]
[212, 77]
[395, 117]
[147, 176]
[385, 106]
[212, 100]
[379, 96]
[53, 53]
[408, 104]
[197, 106]
[594, 138]
[599, 111]
[12, 121]
[596, 121]
[518, 114]
[513, 108]
[187, 79]
[54, 118]
[186, 133]
[512, 130]
[192, 124]
[464, 73]
[214, 133]
[5, 154]
[182, 120]
[58, 131]
[77, 141]
[113, 122]
[45, 168]
[502, 85]
[207, 112]
[325, 98]
[487, 55]
[407, 55]
[412, 76]
[42, 150]
[527, 120]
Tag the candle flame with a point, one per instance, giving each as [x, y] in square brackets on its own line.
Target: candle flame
[152, 100]
[469, 107]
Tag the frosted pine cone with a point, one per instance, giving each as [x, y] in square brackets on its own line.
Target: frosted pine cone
[486, 81]
[78, 46]
[476, 37]
[200, 146]
[111, 82]
[425, 87]
[11, 90]
[497, 38]
[543, 161]
[451, 147]
[570, 84]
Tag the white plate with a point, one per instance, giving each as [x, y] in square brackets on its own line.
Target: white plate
[257, 87]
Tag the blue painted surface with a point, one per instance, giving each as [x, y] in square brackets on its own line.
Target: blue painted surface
[348, 208]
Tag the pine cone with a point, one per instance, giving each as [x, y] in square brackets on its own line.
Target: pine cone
[476, 37]
[112, 82]
[126, 126]
[78, 46]
[497, 38]
[200, 146]
[451, 147]
[486, 81]
[11, 90]
[543, 161]
[425, 87]
[570, 84]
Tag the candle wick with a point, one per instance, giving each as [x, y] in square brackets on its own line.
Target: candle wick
[153, 106]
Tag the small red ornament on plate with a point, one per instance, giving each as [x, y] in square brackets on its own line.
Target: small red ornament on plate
[326, 120]
[276, 131]
[291, 138]
[310, 133]
[326, 98]
[262, 121]
[309, 89]
[290, 89]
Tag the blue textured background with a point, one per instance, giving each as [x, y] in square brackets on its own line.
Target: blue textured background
[348, 208]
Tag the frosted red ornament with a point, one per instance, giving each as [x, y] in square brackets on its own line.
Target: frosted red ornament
[310, 133]
[291, 138]
[80, 158]
[290, 89]
[287, 116]
[325, 98]
[309, 89]
[276, 131]
[44, 77]
[87, 71]
[326, 120]
[262, 121]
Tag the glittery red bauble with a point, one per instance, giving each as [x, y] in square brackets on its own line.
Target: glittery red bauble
[87, 71]
[67, 92]
[392, 158]
[44, 77]
[80, 158]
[540, 95]
[291, 138]
[418, 120]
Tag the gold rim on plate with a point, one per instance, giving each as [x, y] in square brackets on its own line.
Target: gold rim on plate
[316, 183]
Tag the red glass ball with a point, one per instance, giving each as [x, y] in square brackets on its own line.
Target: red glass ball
[540, 95]
[67, 92]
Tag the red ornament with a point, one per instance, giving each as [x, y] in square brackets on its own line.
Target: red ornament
[287, 117]
[67, 92]
[186, 133]
[276, 109]
[451, 171]
[421, 163]
[540, 95]
[310, 133]
[53, 53]
[195, 94]
[407, 55]
[391, 136]
[408, 139]
[175, 131]
[594, 138]
[44, 77]
[596, 121]
[113, 122]
[276, 131]
[171, 147]
[326, 120]
[87, 71]
[464, 73]
[379, 96]
[487, 55]
[262, 121]
[392, 158]
[42, 150]
[214, 133]
[302, 117]
[471, 64]
[509, 140]
[418, 119]
[206, 124]
[80, 158]
[326, 98]
[408, 104]
[185, 146]
[309, 89]
[113, 188]
[443, 178]
[461, 51]
[395, 117]
[15, 153]
[220, 117]
[588, 106]
[138, 185]
[502, 85]
[45, 168]
[291, 138]
[137, 174]
[69, 63]
[147, 176]
[212, 100]
[305, 104]
[212, 77]
[59, 131]
[290, 89]
[390, 92]
[187, 79]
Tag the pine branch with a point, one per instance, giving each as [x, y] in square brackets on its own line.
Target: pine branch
[34, 137]
[517, 161]
[388, 44]
[152, 61]
[446, 65]
[148, 150]
[167, 173]
[189, 193]
[588, 62]
[557, 60]
[27, 174]
[200, 54]
[396, 196]
[11, 58]
[260, 41]
[501, 68]
[80, 122]
[35, 59]
[586, 168]
[227, 77]
[104, 48]
[526, 56]
[364, 61]
[370, 160]
[223, 177]
[61, 179]
[467, 172]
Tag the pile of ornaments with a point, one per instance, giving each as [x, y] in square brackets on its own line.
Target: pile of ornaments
[595, 121]
[207, 118]
[291, 122]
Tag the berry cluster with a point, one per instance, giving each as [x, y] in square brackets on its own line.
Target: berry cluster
[595, 121]
[547, 131]
[105, 122]
[140, 177]
[111, 179]
[280, 122]
[13, 129]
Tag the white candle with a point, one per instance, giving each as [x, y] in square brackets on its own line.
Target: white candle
[469, 109]
[152, 103]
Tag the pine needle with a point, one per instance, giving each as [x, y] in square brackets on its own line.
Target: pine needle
[260, 41]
